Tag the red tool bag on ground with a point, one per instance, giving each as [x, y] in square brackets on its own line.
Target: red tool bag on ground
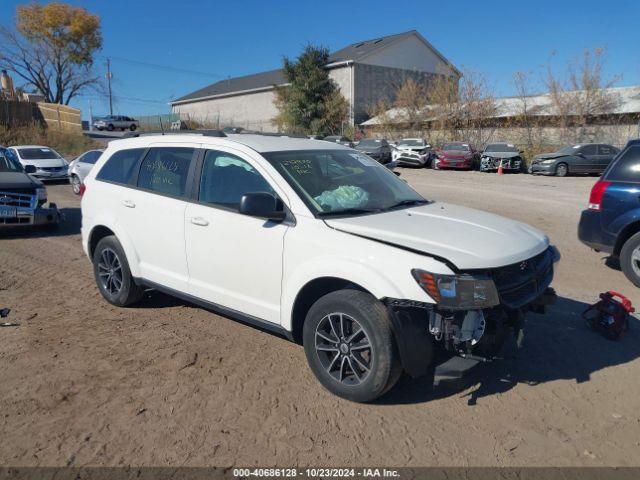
[609, 316]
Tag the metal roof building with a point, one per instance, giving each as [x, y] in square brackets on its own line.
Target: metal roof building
[366, 73]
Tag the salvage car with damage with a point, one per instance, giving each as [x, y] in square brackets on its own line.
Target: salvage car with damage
[502, 154]
[23, 197]
[316, 242]
[413, 152]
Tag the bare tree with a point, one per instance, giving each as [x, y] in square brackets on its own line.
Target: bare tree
[582, 95]
[411, 100]
[476, 109]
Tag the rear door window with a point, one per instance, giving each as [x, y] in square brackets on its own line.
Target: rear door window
[606, 150]
[165, 170]
[589, 150]
[627, 167]
[120, 167]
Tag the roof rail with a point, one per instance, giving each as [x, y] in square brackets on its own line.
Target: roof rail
[206, 133]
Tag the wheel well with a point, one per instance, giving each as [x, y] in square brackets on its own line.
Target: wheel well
[626, 234]
[97, 234]
[311, 293]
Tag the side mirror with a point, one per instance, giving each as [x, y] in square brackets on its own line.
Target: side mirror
[29, 169]
[262, 205]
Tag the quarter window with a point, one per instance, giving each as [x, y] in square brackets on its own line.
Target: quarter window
[91, 157]
[606, 150]
[165, 170]
[120, 167]
[226, 178]
[627, 167]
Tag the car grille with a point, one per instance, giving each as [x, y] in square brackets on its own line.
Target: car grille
[521, 283]
[18, 199]
[52, 169]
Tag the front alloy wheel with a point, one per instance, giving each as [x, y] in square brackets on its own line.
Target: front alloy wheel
[343, 348]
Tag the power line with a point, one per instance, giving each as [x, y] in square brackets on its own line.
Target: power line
[166, 67]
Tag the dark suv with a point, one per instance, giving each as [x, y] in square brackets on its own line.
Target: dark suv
[22, 197]
[611, 223]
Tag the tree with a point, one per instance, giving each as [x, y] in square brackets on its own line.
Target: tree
[582, 95]
[52, 49]
[411, 100]
[311, 103]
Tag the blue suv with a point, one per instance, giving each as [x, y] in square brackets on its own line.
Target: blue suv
[611, 222]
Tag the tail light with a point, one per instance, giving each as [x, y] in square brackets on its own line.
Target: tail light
[597, 193]
[83, 188]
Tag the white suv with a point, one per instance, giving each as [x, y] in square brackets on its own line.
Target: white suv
[317, 242]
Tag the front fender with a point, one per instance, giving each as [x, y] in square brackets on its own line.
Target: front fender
[345, 269]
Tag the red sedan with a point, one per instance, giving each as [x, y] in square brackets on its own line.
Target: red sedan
[458, 155]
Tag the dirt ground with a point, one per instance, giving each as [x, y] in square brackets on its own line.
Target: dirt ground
[169, 384]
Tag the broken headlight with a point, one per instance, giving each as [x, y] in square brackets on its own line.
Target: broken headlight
[458, 292]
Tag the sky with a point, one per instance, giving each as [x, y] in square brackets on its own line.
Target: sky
[164, 49]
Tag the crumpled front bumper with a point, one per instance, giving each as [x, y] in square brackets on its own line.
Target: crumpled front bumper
[542, 169]
[32, 217]
[493, 163]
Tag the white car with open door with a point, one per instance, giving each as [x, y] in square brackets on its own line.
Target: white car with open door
[314, 241]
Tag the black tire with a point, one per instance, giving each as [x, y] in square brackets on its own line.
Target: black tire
[370, 316]
[562, 170]
[627, 259]
[110, 127]
[133, 127]
[75, 184]
[129, 292]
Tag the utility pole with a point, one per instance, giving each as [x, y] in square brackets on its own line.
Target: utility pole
[109, 84]
[90, 117]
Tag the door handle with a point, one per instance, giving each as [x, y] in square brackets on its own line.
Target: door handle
[201, 222]
[128, 204]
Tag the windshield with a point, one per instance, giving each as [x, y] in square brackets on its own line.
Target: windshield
[342, 182]
[501, 147]
[569, 150]
[411, 142]
[8, 162]
[37, 153]
[370, 142]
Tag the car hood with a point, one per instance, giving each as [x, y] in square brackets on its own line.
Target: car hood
[17, 180]
[501, 154]
[547, 156]
[367, 149]
[456, 154]
[45, 162]
[411, 148]
[467, 238]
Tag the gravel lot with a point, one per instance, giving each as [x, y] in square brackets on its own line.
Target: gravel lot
[84, 383]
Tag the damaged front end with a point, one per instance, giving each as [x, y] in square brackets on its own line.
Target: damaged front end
[490, 163]
[475, 313]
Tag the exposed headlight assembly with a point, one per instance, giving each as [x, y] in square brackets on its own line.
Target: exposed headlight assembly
[458, 292]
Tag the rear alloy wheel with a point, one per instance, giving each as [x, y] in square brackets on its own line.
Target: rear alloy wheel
[562, 170]
[132, 127]
[75, 184]
[630, 259]
[349, 345]
[112, 274]
[110, 127]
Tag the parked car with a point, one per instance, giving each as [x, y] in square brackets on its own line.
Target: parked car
[376, 148]
[414, 152]
[458, 155]
[48, 163]
[313, 241]
[579, 158]
[116, 122]
[80, 167]
[22, 197]
[611, 222]
[341, 139]
[495, 154]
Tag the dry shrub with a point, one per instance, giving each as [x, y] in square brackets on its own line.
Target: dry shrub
[68, 144]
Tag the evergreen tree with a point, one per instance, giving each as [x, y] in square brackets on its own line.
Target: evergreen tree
[312, 103]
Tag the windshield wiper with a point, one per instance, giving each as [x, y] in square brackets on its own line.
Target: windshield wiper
[405, 203]
[349, 211]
